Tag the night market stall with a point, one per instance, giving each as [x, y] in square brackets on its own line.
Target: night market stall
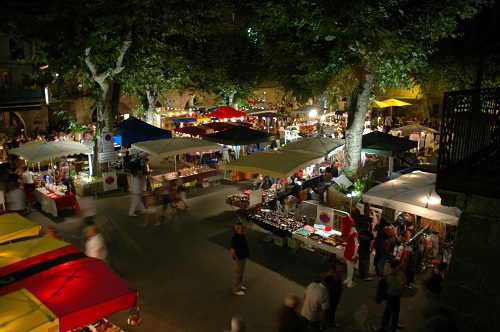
[134, 130]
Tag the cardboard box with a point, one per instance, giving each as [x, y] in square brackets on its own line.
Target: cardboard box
[279, 241]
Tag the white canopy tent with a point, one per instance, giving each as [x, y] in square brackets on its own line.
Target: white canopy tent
[414, 193]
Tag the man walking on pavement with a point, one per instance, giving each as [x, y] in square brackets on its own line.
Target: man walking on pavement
[240, 253]
[395, 281]
[316, 303]
[136, 191]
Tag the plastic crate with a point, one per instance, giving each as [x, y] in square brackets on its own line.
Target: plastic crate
[279, 241]
[293, 243]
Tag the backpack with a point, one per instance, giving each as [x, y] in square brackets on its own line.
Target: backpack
[381, 294]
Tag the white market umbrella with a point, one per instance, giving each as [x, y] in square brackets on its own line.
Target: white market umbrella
[321, 145]
[175, 146]
[39, 151]
[414, 193]
[278, 164]
[415, 128]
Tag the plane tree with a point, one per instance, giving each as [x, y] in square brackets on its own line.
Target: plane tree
[347, 47]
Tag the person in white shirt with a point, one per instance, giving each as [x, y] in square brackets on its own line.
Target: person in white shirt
[136, 192]
[96, 245]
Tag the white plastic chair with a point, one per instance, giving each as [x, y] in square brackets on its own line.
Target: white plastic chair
[2, 200]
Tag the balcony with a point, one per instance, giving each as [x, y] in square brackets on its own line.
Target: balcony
[19, 93]
[469, 161]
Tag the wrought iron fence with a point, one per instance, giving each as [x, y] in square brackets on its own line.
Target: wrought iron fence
[470, 142]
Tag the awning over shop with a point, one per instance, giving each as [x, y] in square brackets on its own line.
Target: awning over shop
[414, 193]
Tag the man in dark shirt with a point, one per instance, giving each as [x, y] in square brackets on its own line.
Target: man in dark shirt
[365, 238]
[240, 253]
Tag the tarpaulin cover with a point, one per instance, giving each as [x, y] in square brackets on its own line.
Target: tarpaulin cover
[14, 226]
[134, 130]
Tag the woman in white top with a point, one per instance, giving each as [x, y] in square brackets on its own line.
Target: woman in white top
[29, 184]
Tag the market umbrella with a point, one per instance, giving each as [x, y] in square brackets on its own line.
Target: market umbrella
[83, 293]
[174, 146]
[240, 135]
[321, 145]
[414, 193]
[134, 130]
[415, 128]
[14, 226]
[379, 104]
[227, 112]
[264, 113]
[20, 255]
[191, 130]
[386, 145]
[220, 126]
[38, 151]
[279, 164]
[22, 311]
[395, 102]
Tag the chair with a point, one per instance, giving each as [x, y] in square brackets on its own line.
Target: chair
[2, 200]
[192, 185]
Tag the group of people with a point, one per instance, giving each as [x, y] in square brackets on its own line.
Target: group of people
[172, 193]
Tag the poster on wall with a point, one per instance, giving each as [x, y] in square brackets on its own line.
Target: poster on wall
[109, 181]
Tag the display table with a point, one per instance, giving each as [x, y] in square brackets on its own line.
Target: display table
[51, 203]
[199, 176]
[276, 223]
[315, 240]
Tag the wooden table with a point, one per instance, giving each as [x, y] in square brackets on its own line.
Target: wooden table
[51, 203]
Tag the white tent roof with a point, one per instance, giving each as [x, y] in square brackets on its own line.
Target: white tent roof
[414, 193]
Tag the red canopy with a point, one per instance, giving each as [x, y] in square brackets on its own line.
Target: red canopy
[84, 293]
[227, 112]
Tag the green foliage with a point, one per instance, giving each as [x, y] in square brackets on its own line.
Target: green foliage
[71, 123]
[342, 188]
[364, 184]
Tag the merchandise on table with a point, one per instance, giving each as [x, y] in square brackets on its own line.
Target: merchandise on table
[240, 200]
[320, 233]
[101, 325]
[276, 221]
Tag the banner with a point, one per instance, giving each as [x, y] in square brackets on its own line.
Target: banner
[109, 181]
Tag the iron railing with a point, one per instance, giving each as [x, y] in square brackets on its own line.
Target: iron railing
[469, 144]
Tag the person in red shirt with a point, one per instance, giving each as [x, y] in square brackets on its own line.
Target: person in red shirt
[350, 237]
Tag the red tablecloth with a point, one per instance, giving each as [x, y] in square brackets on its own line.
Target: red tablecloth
[63, 202]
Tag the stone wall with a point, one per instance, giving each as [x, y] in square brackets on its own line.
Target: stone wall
[472, 286]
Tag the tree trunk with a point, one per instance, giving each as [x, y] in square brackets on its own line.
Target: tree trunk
[354, 132]
[152, 99]
[104, 124]
[231, 98]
